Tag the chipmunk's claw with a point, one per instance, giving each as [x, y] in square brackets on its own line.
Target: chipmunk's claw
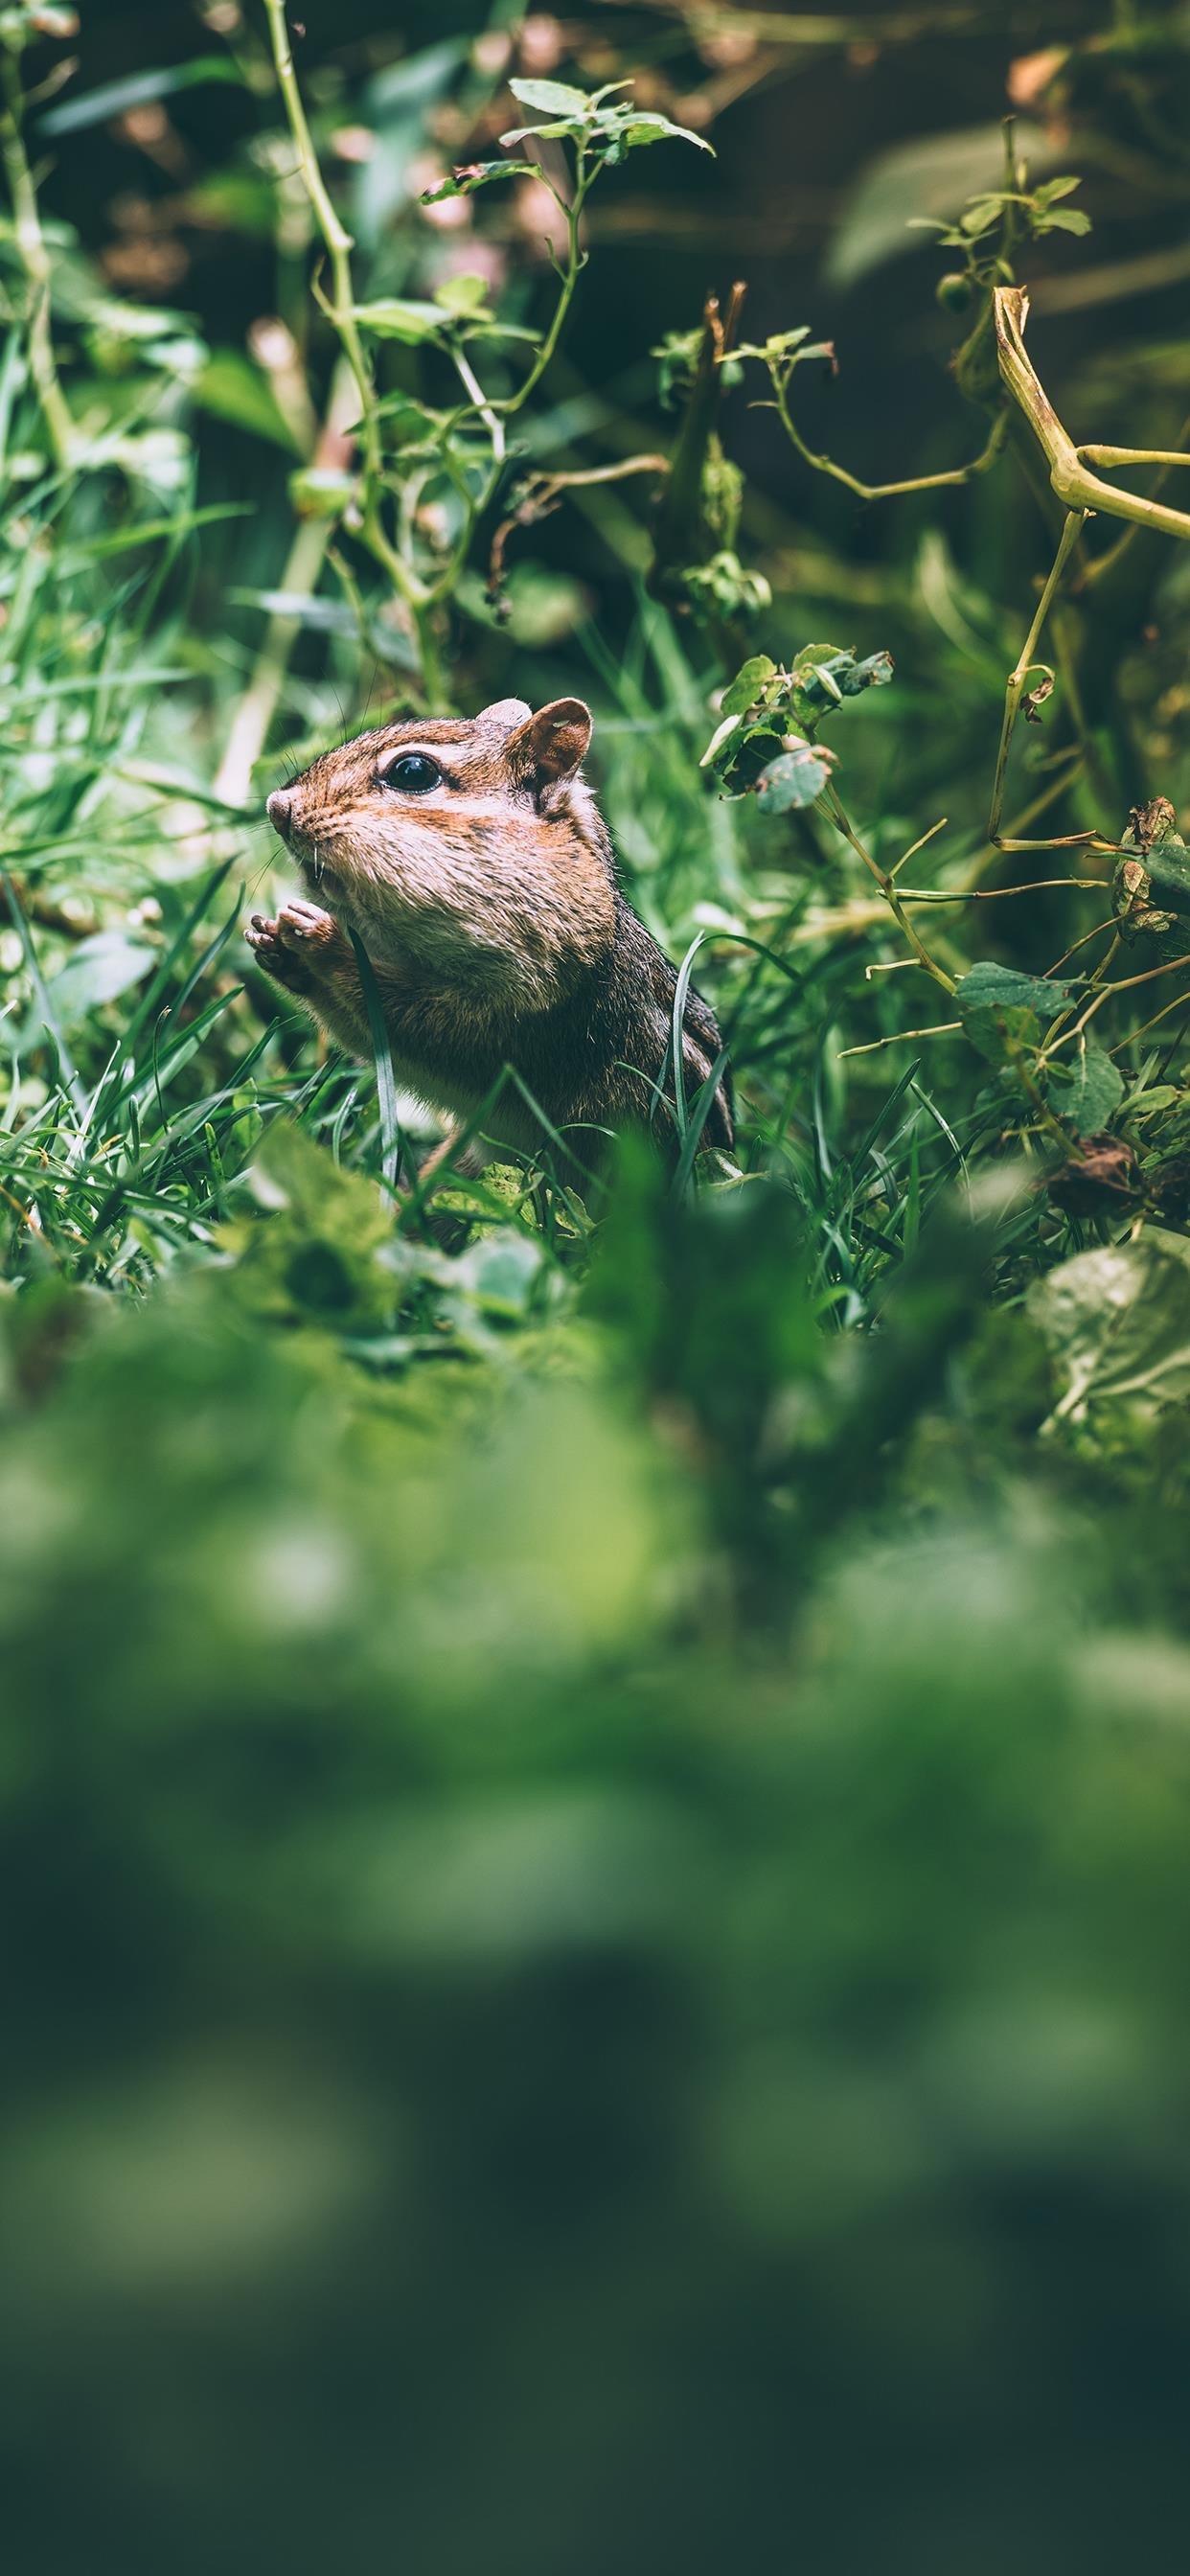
[300, 923]
[288, 946]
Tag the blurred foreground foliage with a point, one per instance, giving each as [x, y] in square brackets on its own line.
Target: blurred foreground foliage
[594, 1802]
[588, 1941]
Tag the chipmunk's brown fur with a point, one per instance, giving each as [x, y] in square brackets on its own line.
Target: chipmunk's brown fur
[488, 906]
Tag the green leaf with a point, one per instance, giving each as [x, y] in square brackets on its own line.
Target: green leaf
[795, 779]
[140, 89]
[660, 129]
[921, 183]
[397, 317]
[1088, 1091]
[321, 491]
[321, 616]
[824, 674]
[98, 970]
[462, 295]
[747, 685]
[386, 1080]
[1002, 1009]
[553, 98]
[231, 388]
[1066, 219]
[1117, 1323]
[478, 174]
[409, 421]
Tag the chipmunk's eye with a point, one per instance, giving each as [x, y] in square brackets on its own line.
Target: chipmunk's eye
[413, 773]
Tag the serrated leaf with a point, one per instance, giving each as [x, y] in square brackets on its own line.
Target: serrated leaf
[795, 779]
[824, 674]
[980, 217]
[231, 388]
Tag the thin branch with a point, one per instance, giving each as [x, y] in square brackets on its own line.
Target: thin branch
[1072, 528]
[1001, 894]
[543, 493]
[941, 1029]
[1122, 984]
[884, 491]
[1070, 478]
[829, 801]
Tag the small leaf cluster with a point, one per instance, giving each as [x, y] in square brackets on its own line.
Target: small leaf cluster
[1035, 212]
[1005, 1013]
[599, 122]
[764, 741]
[678, 354]
[783, 351]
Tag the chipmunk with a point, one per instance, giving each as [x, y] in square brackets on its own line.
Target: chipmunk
[471, 862]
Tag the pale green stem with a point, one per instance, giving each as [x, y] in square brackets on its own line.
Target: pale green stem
[1122, 984]
[35, 261]
[830, 801]
[256, 709]
[341, 309]
[1112, 456]
[886, 491]
[570, 276]
[1072, 529]
[1074, 484]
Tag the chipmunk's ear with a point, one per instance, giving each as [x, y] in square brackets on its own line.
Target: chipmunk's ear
[553, 744]
[505, 715]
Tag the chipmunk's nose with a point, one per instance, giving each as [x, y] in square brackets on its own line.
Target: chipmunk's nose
[279, 810]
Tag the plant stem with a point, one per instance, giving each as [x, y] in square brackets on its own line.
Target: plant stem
[941, 1029]
[337, 239]
[340, 308]
[575, 262]
[35, 261]
[999, 894]
[1070, 478]
[1072, 528]
[254, 714]
[831, 802]
[1122, 984]
[885, 491]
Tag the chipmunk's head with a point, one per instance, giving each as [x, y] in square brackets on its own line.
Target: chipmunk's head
[469, 849]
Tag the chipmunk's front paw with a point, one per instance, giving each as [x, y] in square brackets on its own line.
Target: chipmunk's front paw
[294, 946]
